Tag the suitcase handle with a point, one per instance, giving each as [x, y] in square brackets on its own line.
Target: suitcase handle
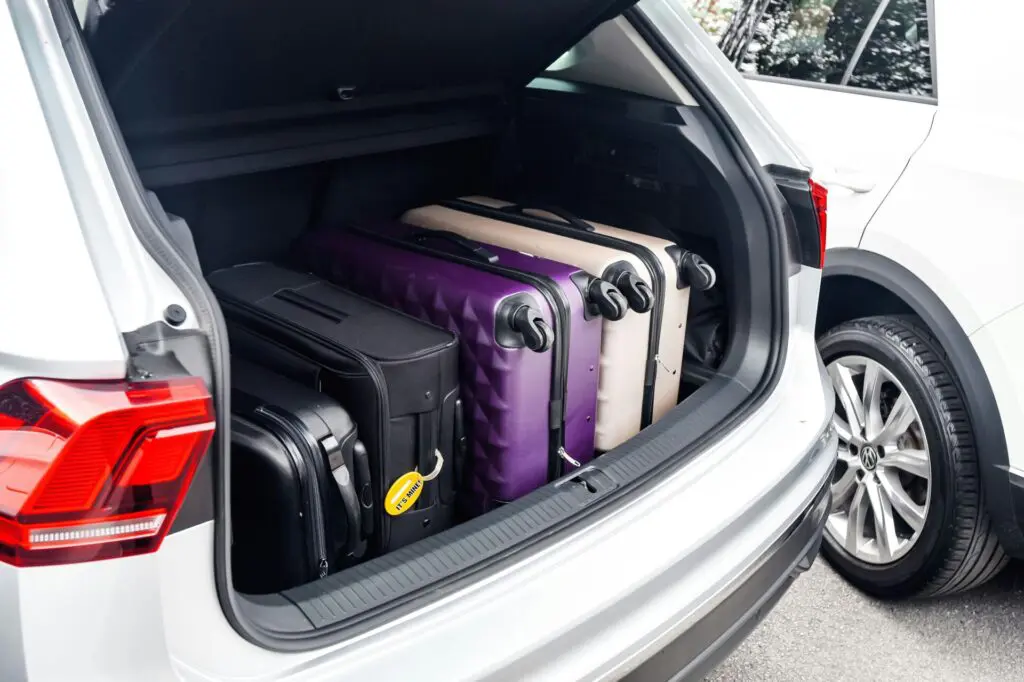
[560, 213]
[333, 453]
[353, 511]
[364, 489]
[461, 443]
[475, 250]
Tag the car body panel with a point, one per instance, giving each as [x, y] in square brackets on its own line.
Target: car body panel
[956, 217]
[42, 248]
[966, 247]
[977, 66]
[136, 289]
[859, 145]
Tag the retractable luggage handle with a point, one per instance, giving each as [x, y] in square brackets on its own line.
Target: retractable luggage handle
[475, 250]
[560, 213]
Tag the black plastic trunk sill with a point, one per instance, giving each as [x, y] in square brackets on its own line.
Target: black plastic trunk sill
[479, 546]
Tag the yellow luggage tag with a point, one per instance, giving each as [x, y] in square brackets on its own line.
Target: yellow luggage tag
[404, 492]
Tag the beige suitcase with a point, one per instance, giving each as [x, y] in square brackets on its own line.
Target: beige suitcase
[641, 355]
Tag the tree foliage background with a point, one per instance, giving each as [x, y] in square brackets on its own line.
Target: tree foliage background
[815, 40]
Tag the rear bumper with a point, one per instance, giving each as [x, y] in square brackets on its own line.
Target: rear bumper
[662, 586]
[750, 597]
[625, 602]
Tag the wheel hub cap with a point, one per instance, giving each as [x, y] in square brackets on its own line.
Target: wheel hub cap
[868, 458]
[881, 490]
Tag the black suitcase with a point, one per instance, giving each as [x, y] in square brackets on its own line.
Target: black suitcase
[298, 473]
[396, 375]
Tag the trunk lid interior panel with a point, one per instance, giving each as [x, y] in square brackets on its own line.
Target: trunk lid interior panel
[218, 57]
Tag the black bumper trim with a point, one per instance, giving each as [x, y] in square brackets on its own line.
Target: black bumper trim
[1015, 486]
[753, 595]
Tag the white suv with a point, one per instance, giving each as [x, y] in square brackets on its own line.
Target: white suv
[146, 144]
[906, 110]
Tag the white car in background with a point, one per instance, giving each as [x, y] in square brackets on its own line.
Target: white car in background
[907, 113]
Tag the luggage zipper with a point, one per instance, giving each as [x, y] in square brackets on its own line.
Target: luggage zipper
[384, 416]
[568, 458]
[558, 457]
[372, 370]
[315, 518]
[653, 265]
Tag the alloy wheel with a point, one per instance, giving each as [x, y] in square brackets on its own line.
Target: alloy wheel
[881, 490]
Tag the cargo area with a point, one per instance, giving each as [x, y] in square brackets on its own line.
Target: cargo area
[647, 178]
[246, 147]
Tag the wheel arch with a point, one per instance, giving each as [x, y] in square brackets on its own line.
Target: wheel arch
[857, 283]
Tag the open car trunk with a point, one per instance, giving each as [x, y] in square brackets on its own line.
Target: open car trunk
[258, 124]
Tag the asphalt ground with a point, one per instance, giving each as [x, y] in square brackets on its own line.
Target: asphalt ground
[823, 629]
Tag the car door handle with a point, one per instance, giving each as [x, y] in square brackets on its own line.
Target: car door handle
[854, 181]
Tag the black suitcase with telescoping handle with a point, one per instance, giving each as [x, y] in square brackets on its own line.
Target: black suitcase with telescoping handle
[396, 375]
[300, 479]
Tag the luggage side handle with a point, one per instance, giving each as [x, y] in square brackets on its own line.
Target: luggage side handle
[333, 452]
[364, 487]
[560, 213]
[475, 250]
[427, 447]
[461, 446]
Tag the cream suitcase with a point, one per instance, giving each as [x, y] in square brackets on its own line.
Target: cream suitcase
[641, 355]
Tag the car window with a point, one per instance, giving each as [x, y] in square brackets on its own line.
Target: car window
[897, 55]
[883, 45]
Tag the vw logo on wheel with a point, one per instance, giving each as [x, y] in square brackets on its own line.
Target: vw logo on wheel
[868, 457]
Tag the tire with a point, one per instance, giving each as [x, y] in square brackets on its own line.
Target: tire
[955, 548]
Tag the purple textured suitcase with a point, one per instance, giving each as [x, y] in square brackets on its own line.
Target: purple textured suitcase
[530, 401]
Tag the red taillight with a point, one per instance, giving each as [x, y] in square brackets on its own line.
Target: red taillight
[94, 470]
[819, 195]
